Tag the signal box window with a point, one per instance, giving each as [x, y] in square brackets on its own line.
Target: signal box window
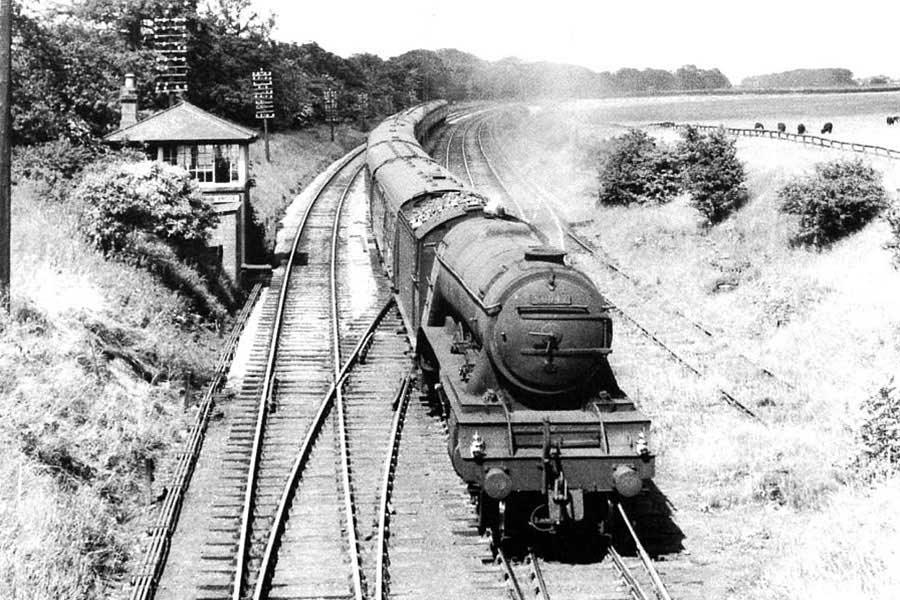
[207, 163]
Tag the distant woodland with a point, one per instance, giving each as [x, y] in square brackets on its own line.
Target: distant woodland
[69, 62]
[803, 78]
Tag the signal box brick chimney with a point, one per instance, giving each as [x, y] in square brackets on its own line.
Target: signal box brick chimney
[129, 100]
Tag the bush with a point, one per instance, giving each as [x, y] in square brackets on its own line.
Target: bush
[893, 219]
[53, 162]
[635, 170]
[841, 197]
[712, 174]
[123, 199]
[880, 432]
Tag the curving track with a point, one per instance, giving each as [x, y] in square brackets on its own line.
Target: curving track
[468, 143]
[315, 495]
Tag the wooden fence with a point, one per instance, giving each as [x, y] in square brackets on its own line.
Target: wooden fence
[812, 140]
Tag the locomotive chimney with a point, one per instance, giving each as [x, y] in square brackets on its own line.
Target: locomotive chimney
[128, 99]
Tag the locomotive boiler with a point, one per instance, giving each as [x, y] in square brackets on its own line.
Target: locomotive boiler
[511, 341]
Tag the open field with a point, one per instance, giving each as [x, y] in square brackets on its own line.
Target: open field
[782, 509]
[856, 117]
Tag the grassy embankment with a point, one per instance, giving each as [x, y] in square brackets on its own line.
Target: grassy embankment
[296, 160]
[785, 509]
[92, 366]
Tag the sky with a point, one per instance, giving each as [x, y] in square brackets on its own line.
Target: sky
[740, 37]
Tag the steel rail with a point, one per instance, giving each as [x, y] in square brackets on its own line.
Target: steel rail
[521, 211]
[661, 590]
[449, 144]
[637, 592]
[401, 402]
[511, 578]
[145, 582]
[538, 575]
[465, 158]
[349, 512]
[547, 207]
[268, 382]
[268, 559]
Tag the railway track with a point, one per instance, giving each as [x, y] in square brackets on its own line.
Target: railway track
[293, 491]
[324, 534]
[295, 383]
[317, 496]
[312, 493]
[616, 575]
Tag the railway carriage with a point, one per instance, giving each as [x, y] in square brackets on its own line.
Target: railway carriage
[413, 203]
[510, 339]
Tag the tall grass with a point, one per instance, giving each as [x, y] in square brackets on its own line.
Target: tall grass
[79, 421]
[790, 492]
[297, 157]
[93, 360]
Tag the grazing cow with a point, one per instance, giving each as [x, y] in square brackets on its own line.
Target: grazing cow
[826, 128]
[891, 120]
[782, 127]
[801, 128]
[759, 126]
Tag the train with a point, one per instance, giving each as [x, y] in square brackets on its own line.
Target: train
[511, 341]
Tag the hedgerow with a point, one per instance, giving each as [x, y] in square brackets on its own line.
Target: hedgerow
[123, 199]
[712, 174]
[634, 169]
[841, 197]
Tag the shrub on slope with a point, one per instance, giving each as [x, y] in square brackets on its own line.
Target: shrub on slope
[634, 169]
[152, 197]
[838, 199]
[712, 174]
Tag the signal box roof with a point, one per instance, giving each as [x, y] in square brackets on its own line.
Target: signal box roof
[183, 122]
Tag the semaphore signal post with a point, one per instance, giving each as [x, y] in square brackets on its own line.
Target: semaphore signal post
[265, 105]
[170, 39]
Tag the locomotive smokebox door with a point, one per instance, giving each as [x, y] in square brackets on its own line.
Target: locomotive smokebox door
[551, 334]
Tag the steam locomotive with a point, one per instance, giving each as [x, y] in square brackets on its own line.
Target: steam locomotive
[510, 340]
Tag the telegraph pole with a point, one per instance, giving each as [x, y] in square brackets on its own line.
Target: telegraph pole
[331, 109]
[5, 134]
[265, 106]
[362, 105]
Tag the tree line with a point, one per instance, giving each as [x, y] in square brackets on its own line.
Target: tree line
[806, 78]
[68, 64]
